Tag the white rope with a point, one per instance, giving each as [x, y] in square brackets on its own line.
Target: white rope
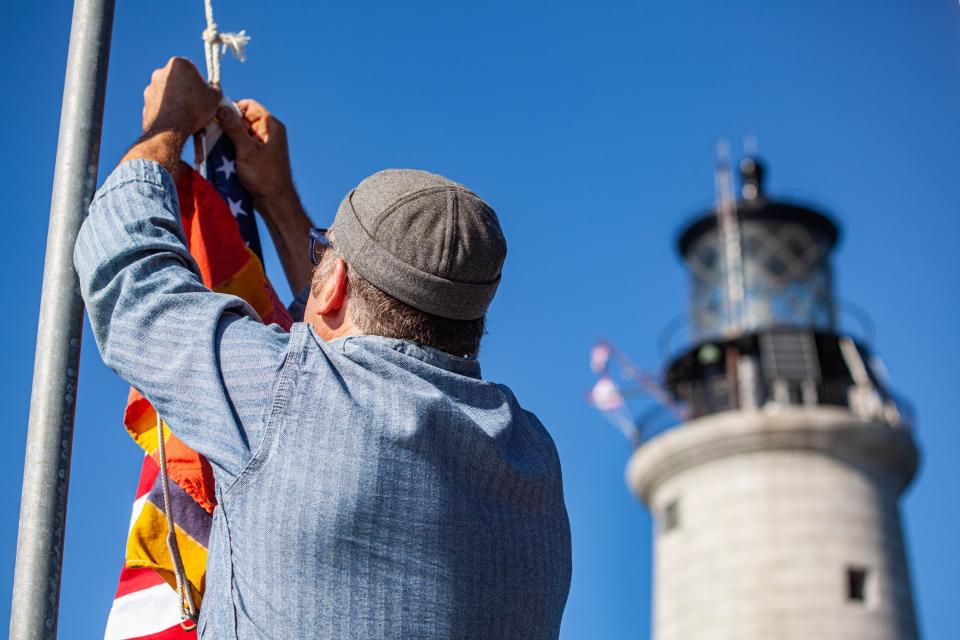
[188, 612]
[215, 43]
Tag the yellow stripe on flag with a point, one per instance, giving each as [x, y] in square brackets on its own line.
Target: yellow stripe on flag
[147, 548]
[248, 283]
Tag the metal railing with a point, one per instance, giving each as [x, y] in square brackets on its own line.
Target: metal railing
[657, 420]
[677, 335]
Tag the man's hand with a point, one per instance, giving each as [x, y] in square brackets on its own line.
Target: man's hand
[263, 159]
[176, 103]
[178, 99]
[263, 165]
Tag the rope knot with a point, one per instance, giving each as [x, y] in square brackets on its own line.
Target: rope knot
[216, 43]
[210, 35]
[235, 42]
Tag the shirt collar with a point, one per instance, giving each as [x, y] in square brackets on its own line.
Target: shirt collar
[460, 365]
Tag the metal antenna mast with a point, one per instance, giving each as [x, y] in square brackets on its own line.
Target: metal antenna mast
[729, 238]
[46, 473]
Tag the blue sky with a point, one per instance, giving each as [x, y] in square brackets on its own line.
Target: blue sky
[590, 127]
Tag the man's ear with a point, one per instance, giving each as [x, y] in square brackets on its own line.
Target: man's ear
[333, 290]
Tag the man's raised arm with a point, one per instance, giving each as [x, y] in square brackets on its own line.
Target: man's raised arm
[198, 356]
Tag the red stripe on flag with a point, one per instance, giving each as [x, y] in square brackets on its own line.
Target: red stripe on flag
[136, 579]
[173, 633]
[148, 476]
[212, 236]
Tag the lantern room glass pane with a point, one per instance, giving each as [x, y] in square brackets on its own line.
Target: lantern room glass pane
[786, 277]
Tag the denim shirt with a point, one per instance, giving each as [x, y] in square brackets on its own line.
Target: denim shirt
[368, 487]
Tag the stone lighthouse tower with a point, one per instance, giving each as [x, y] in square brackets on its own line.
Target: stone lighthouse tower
[776, 499]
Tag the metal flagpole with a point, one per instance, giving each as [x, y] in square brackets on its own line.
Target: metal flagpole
[43, 502]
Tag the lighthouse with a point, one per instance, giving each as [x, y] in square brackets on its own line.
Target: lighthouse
[776, 499]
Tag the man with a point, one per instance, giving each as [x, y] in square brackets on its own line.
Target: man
[370, 483]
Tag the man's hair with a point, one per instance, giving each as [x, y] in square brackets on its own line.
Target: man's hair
[378, 313]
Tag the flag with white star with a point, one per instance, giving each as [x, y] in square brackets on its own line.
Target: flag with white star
[218, 165]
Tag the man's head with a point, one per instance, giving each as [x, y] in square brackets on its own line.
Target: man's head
[414, 256]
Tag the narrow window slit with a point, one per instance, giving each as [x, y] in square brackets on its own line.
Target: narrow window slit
[857, 584]
[671, 516]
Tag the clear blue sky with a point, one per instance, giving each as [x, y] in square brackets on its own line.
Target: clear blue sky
[590, 127]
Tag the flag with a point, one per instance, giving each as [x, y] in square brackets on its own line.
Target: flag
[219, 167]
[221, 233]
[599, 357]
[605, 395]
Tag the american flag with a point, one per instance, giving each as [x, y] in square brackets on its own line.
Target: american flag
[219, 167]
[217, 215]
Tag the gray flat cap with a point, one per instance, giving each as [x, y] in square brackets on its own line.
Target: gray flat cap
[423, 239]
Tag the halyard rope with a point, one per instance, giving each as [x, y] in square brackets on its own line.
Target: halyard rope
[215, 43]
[188, 612]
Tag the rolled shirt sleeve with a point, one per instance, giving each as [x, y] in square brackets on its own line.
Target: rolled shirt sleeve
[203, 359]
